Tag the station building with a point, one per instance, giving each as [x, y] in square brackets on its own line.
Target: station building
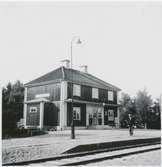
[49, 99]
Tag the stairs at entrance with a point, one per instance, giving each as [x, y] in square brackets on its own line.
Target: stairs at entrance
[100, 127]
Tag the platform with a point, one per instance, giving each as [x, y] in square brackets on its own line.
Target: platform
[58, 142]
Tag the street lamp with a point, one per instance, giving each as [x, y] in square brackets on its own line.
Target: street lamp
[77, 40]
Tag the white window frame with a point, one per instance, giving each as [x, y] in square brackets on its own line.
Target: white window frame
[77, 113]
[33, 108]
[110, 96]
[95, 93]
[111, 115]
[76, 90]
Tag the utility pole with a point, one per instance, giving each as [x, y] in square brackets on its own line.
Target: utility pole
[160, 104]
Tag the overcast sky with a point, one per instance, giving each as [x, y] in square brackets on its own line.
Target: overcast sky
[121, 41]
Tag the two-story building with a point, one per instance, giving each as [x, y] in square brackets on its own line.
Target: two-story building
[48, 101]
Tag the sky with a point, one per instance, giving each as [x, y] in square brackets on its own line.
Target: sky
[121, 41]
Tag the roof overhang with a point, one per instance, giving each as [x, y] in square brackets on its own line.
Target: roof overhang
[39, 100]
[43, 83]
[89, 102]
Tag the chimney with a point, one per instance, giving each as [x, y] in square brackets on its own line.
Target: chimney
[66, 63]
[85, 68]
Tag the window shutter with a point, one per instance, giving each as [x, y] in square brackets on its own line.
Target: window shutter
[110, 95]
[76, 90]
[95, 93]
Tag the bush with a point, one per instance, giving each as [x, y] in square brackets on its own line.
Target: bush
[17, 133]
[14, 133]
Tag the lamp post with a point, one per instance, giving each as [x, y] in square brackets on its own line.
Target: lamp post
[160, 103]
[77, 40]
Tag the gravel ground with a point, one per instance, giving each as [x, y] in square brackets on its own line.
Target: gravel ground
[55, 143]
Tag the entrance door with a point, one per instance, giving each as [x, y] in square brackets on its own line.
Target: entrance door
[99, 117]
[90, 118]
[106, 117]
[94, 122]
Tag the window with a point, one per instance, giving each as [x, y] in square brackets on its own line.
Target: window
[76, 113]
[95, 93]
[106, 113]
[99, 114]
[76, 90]
[110, 96]
[111, 115]
[115, 113]
[33, 109]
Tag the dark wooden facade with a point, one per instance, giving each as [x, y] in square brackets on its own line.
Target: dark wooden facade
[33, 118]
[51, 114]
[52, 89]
[86, 94]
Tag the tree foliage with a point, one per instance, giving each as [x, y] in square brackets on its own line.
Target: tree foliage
[143, 102]
[142, 108]
[128, 105]
[154, 116]
[12, 105]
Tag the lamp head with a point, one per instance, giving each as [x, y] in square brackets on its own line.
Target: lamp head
[78, 41]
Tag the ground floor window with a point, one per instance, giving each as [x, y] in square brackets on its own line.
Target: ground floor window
[33, 109]
[111, 115]
[76, 113]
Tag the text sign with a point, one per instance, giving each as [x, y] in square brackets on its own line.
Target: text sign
[42, 95]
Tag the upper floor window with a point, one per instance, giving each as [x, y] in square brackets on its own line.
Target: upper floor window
[33, 109]
[76, 90]
[76, 113]
[110, 95]
[95, 93]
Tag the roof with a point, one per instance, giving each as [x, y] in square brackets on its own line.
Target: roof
[72, 75]
[53, 75]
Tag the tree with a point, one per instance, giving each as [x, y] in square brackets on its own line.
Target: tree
[124, 105]
[128, 105]
[12, 105]
[143, 102]
[154, 116]
[6, 93]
